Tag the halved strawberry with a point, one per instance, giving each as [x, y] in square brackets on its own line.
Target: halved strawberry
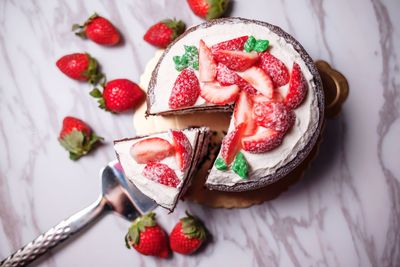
[226, 76]
[275, 69]
[297, 88]
[233, 44]
[236, 60]
[273, 115]
[259, 80]
[207, 65]
[161, 173]
[183, 149]
[213, 93]
[263, 141]
[231, 144]
[186, 90]
[242, 113]
[151, 149]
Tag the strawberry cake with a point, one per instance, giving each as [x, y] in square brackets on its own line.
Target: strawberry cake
[161, 165]
[259, 73]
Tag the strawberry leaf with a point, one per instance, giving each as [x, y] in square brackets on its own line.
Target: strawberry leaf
[249, 44]
[193, 227]
[96, 93]
[261, 45]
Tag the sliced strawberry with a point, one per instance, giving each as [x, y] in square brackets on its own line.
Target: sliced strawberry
[277, 97]
[233, 44]
[274, 68]
[259, 80]
[151, 149]
[263, 141]
[231, 143]
[183, 149]
[213, 93]
[207, 65]
[297, 88]
[273, 115]
[160, 173]
[226, 76]
[186, 90]
[242, 113]
[236, 60]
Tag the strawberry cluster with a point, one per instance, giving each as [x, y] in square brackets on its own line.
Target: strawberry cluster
[242, 71]
[151, 151]
[147, 237]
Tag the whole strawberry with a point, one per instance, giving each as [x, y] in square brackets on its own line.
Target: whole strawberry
[147, 237]
[118, 95]
[77, 137]
[164, 32]
[99, 30]
[208, 9]
[80, 66]
[188, 235]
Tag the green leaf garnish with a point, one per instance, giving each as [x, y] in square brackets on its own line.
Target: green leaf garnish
[240, 166]
[189, 59]
[250, 43]
[253, 44]
[220, 164]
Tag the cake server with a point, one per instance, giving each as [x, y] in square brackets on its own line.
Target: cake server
[118, 195]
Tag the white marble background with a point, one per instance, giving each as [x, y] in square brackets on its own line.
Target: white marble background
[346, 212]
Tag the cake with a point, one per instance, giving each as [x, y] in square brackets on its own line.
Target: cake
[259, 73]
[161, 165]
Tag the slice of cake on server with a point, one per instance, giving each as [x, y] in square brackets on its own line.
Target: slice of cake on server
[162, 165]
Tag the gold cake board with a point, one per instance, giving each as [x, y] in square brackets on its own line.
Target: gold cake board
[336, 90]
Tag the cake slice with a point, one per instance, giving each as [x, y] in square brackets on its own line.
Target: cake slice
[162, 165]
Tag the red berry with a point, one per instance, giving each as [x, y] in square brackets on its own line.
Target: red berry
[80, 66]
[231, 143]
[186, 90]
[187, 235]
[297, 88]
[151, 149]
[259, 80]
[208, 9]
[233, 44]
[263, 141]
[273, 115]
[99, 30]
[236, 60]
[213, 93]
[225, 77]
[183, 149]
[164, 32]
[147, 237]
[242, 113]
[121, 95]
[207, 65]
[274, 68]
[77, 137]
[160, 173]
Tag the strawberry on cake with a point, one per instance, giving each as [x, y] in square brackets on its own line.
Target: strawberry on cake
[262, 75]
[161, 165]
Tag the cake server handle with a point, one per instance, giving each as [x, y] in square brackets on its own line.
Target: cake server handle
[56, 235]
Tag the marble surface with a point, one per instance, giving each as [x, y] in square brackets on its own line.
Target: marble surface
[346, 211]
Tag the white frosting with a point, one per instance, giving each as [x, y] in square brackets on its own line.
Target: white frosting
[165, 196]
[307, 115]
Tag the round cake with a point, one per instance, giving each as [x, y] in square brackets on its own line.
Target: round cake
[259, 73]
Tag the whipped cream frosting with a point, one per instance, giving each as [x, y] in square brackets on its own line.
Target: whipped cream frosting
[165, 196]
[307, 115]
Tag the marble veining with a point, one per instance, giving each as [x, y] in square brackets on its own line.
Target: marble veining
[344, 212]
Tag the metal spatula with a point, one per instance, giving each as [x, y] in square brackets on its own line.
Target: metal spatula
[118, 195]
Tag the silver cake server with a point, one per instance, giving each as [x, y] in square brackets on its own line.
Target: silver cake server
[118, 195]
